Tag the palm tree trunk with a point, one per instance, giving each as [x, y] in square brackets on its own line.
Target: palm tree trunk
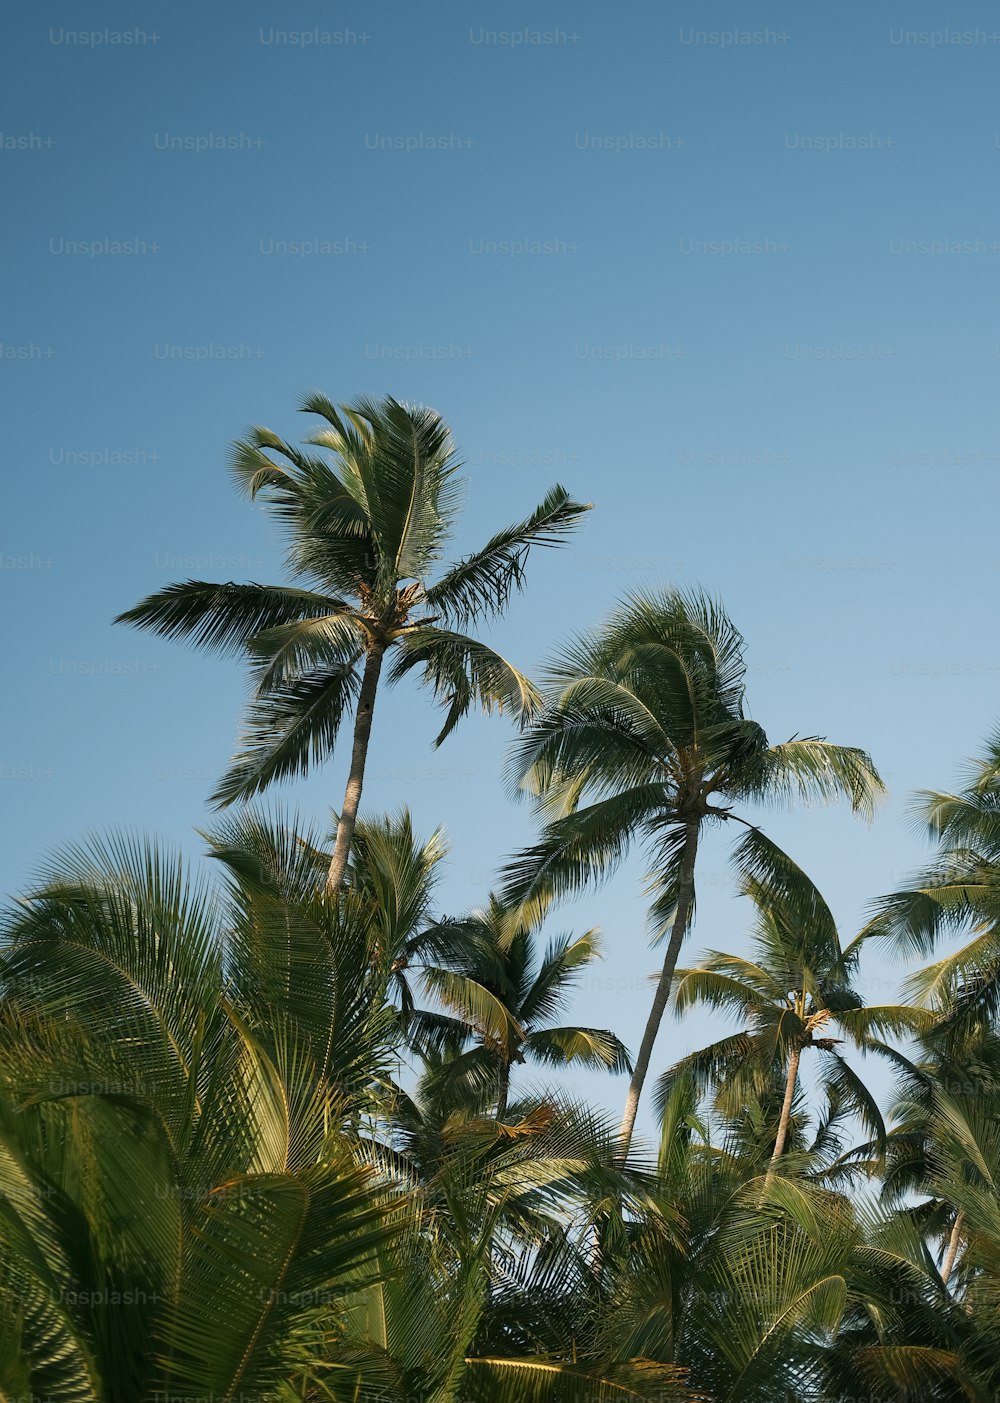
[355, 780]
[786, 1110]
[685, 899]
[952, 1252]
[504, 1096]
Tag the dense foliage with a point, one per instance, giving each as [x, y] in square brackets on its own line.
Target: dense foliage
[264, 1130]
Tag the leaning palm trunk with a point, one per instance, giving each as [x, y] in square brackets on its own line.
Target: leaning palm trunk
[356, 778]
[952, 1253]
[682, 916]
[786, 1111]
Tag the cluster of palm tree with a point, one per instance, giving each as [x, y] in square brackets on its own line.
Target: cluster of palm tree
[266, 1132]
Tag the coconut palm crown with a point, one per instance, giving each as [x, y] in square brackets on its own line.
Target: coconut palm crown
[645, 718]
[957, 893]
[794, 994]
[505, 992]
[367, 528]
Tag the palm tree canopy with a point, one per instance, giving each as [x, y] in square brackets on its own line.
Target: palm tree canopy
[506, 993]
[179, 1071]
[210, 1187]
[644, 730]
[794, 992]
[958, 891]
[367, 522]
[792, 1291]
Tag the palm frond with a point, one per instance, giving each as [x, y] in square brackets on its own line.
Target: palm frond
[461, 671]
[592, 1047]
[289, 729]
[812, 769]
[580, 846]
[482, 583]
[226, 617]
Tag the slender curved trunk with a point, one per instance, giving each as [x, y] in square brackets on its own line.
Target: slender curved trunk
[952, 1253]
[504, 1096]
[682, 916]
[356, 778]
[786, 1111]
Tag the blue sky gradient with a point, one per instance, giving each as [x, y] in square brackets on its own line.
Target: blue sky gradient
[729, 271]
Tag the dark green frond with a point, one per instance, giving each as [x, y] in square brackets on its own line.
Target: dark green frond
[581, 846]
[593, 1047]
[461, 672]
[288, 729]
[482, 584]
[225, 617]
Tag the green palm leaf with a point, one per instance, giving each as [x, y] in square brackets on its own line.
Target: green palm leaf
[593, 1047]
[461, 671]
[482, 583]
[225, 617]
[288, 729]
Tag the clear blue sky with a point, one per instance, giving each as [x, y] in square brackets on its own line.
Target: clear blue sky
[739, 292]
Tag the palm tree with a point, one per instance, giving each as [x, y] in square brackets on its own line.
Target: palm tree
[506, 995]
[789, 1294]
[437, 1329]
[366, 531]
[646, 719]
[182, 1212]
[793, 995]
[484, 968]
[944, 1140]
[481, 1180]
[473, 1197]
[190, 1203]
[958, 891]
[939, 1172]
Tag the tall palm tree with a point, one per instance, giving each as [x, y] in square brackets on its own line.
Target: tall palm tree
[794, 996]
[366, 530]
[645, 718]
[506, 994]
